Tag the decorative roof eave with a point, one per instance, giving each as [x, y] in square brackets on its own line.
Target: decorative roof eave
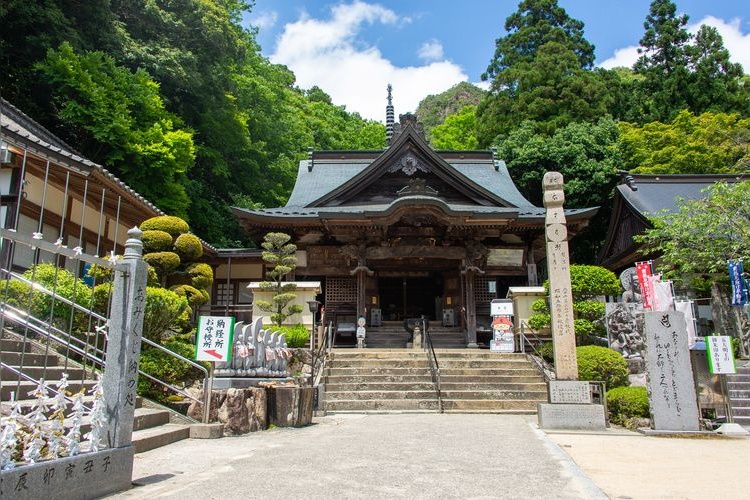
[356, 183]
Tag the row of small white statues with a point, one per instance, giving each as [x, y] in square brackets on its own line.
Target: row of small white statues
[257, 352]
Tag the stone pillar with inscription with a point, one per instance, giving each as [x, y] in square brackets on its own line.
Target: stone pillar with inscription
[124, 344]
[558, 267]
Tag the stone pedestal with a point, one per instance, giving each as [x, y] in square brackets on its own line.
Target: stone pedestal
[571, 416]
[417, 343]
[570, 407]
[290, 406]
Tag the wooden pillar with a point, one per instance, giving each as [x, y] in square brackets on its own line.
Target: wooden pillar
[361, 291]
[471, 309]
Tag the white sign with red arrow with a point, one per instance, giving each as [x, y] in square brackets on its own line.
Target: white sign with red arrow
[213, 341]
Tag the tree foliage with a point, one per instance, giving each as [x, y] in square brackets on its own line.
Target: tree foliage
[540, 73]
[703, 233]
[711, 143]
[435, 109]
[181, 87]
[121, 116]
[457, 132]
[278, 252]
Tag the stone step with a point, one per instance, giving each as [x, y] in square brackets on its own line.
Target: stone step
[146, 418]
[364, 364]
[381, 379]
[735, 394]
[379, 386]
[490, 405]
[15, 345]
[21, 390]
[491, 379]
[40, 372]
[29, 359]
[522, 370]
[369, 395]
[384, 370]
[155, 437]
[382, 405]
[734, 379]
[494, 394]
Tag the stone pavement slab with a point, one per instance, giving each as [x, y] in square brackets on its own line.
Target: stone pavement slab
[411, 456]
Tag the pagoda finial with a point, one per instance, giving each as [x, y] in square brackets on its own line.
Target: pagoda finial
[389, 117]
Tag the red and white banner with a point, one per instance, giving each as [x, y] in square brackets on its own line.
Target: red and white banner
[643, 272]
[663, 296]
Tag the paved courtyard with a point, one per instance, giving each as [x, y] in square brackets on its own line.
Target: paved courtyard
[440, 456]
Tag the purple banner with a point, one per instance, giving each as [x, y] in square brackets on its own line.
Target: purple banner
[739, 294]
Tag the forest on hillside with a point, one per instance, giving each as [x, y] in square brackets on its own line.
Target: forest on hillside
[176, 99]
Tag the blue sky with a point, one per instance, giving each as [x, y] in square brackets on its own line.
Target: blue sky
[352, 49]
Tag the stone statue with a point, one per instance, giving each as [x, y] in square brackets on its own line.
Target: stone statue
[631, 286]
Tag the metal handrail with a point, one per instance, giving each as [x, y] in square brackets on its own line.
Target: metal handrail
[434, 366]
[45, 329]
[544, 368]
[323, 352]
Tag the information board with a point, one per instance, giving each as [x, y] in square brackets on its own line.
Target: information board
[213, 341]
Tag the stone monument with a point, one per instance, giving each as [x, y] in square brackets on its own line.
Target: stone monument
[671, 390]
[570, 405]
[558, 267]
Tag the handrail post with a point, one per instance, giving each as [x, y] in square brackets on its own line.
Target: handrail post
[124, 346]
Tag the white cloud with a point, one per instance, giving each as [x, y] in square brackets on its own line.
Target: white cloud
[330, 54]
[623, 58]
[264, 20]
[736, 42]
[431, 50]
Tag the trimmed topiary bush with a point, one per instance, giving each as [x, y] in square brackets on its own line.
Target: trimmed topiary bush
[167, 223]
[201, 275]
[188, 247]
[602, 363]
[194, 296]
[155, 240]
[590, 281]
[163, 262]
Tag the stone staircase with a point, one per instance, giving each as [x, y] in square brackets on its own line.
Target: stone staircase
[738, 386]
[472, 381]
[152, 427]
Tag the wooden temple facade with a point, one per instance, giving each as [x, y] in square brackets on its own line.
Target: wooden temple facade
[410, 231]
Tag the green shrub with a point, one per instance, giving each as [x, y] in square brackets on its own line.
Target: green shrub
[163, 262]
[194, 296]
[589, 309]
[590, 281]
[624, 403]
[296, 336]
[539, 321]
[167, 223]
[163, 308]
[188, 247]
[540, 306]
[155, 240]
[583, 328]
[201, 275]
[602, 363]
[39, 304]
[547, 351]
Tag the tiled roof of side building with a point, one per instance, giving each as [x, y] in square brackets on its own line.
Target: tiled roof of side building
[654, 194]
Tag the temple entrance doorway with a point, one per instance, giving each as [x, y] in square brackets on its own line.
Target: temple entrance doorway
[411, 296]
